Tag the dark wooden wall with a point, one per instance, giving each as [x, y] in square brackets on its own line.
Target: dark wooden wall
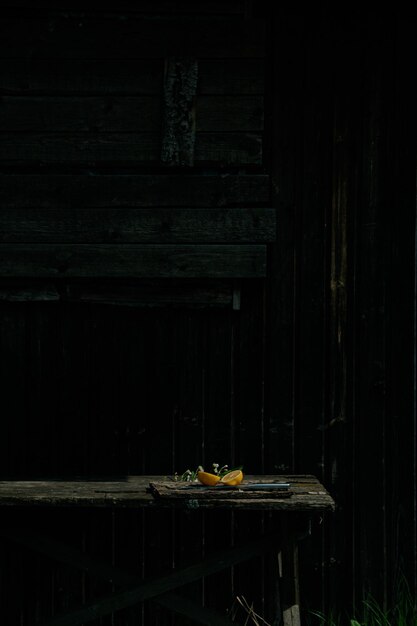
[208, 255]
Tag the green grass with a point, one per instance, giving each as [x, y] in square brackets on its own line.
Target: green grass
[402, 613]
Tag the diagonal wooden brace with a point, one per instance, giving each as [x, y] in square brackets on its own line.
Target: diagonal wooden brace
[135, 590]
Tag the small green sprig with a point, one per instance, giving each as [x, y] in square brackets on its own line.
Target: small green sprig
[190, 476]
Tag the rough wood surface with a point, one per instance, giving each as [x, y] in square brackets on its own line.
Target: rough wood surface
[128, 190]
[134, 114]
[130, 78]
[123, 149]
[145, 7]
[68, 37]
[146, 261]
[200, 492]
[308, 494]
[180, 87]
[164, 293]
[137, 225]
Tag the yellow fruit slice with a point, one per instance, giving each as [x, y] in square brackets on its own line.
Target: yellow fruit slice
[232, 478]
[208, 479]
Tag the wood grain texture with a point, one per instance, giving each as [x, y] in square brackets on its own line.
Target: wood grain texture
[52, 77]
[146, 261]
[137, 226]
[125, 113]
[104, 190]
[66, 37]
[309, 494]
[123, 149]
[146, 7]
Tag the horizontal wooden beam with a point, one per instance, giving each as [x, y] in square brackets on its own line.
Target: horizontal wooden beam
[128, 149]
[156, 225]
[144, 7]
[162, 190]
[132, 77]
[189, 293]
[124, 114]
[71, 37]
[127, 260]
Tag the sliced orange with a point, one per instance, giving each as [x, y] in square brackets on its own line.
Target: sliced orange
[232, 478]
[208, 479]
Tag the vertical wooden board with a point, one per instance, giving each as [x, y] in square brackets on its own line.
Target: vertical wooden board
[66, 583]
[104, 386]
[219, 434]
[338, 470]
[401, 338]
[13, 373]
[163, 371]
[285, 99]
[44, 383]
[73, 414]
[12, 567]
[219, 437]
[371, 294]
[100, 544]
[162, 381]
[312, 245]
[159, 528]
[249, 583]
[249, 375]
[129, 556]
[136, 449]
[190, 357]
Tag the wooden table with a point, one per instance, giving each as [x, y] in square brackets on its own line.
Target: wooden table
[309, 497]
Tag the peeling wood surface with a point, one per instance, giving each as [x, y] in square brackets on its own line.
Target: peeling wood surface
[180, 87]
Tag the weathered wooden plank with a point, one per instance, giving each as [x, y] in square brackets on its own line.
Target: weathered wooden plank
[124, 114]
[124, 148]
[177, 491]
[231, 76]
[79, 114]
[41, 260]
[25, 293]
[181, 7]
[46, 191]
[133, 489]
[155, 294]
[67, 37]
[137, 225]
[52, 77]
[81, 77]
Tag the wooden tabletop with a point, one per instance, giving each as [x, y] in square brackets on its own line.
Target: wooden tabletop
[131, 491]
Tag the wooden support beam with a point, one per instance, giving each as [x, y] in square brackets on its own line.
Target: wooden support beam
[79, 560]
[151, 589]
